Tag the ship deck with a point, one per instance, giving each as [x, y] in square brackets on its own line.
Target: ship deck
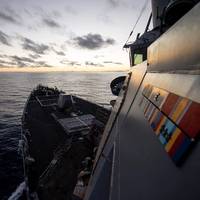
[46, 138]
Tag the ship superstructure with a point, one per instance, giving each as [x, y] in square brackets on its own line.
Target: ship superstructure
[150, 146]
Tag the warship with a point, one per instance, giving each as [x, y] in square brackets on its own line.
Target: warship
[147, 145]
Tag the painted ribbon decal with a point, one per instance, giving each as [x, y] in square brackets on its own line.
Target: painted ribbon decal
[174, 119]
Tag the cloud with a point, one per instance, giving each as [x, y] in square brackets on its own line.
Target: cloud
[14, 61]
[110, 41]
[41, 64]
[63, 47]
[30, 45]
[9, 15]
[60, 53]
[21, 61]
[92, 41]
[5, 66]
[51, 23]
[4, 39]
[111, 62]
[93, 64]
[34, 56]
[68, 62]
[114, 3]
[39, 49]
[2, 56]
[121, 3]
[8, 63]
[7, 18]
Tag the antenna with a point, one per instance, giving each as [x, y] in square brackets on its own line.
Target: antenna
[148, 23]
[140, 15]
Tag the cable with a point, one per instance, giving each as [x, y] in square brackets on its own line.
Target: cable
[140, 15]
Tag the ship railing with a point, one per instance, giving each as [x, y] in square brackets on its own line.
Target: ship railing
[57, 158]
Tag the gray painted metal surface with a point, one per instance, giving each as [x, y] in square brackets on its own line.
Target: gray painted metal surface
[101, 186]
[146, 171]
[185, 85]
[115, 111]
[179, 48]
[107, 146]
[157, 10]
[141, 169]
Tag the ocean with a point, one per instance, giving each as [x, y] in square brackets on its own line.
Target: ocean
[14, 90]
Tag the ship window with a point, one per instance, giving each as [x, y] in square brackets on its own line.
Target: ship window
[138, 58]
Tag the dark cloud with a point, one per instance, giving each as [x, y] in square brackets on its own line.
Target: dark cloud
[39, 49]
[7, 14]
[93, 64]
[45, 65]
[21, 64]
[114, 3]
[74, 63]
[60, 53]
[7, 18]
[34, 56]
[2, 56]
[3, 66]
[6, 63]
[111, 62]
[21, 61]
[41, 64]
[34, 47]
[51, 23]
[4, 39]
[92, 41]
[110, 41]
[68, 62]
[14, 60]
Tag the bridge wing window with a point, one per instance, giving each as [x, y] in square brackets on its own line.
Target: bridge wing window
[138, 58]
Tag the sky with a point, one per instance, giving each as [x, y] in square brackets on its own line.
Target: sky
[71, 35]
